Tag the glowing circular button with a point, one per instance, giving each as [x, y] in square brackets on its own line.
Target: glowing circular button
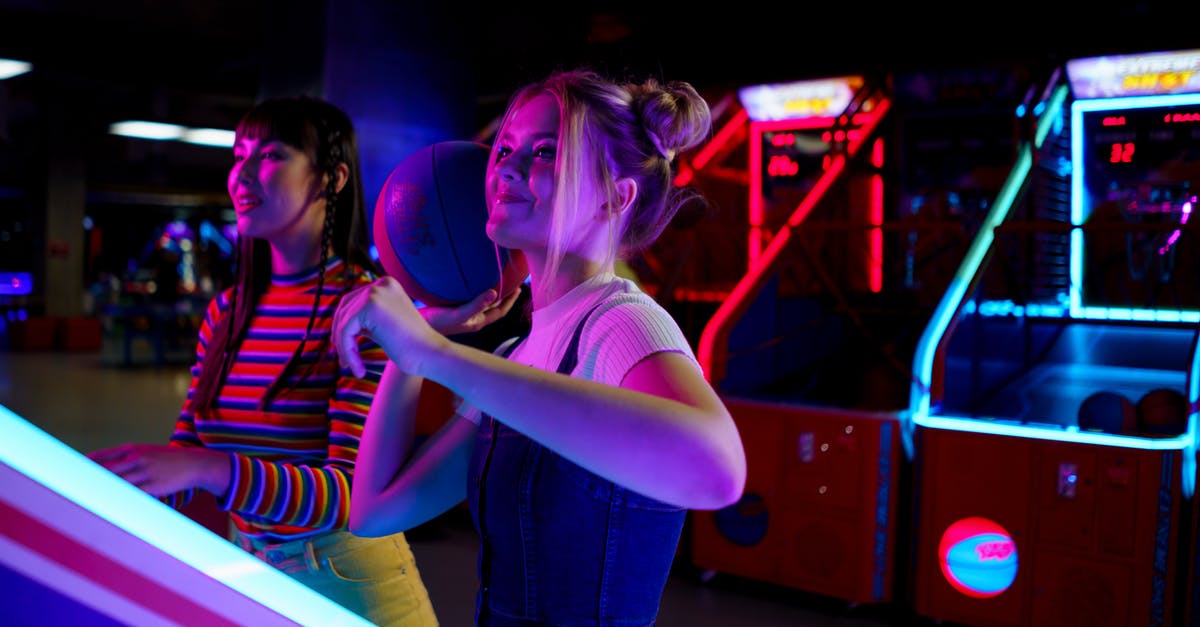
[978, 557]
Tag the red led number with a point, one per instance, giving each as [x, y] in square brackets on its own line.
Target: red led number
[782, 165]
[1121, 153]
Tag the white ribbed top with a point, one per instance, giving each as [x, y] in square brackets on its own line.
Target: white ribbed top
[626, 327]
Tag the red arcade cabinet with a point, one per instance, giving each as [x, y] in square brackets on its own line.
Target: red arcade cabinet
[849, 240]
[819, 508]
[1052, 410]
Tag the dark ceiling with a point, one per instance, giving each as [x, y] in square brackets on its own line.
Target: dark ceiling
[203, 62]
[215, 46]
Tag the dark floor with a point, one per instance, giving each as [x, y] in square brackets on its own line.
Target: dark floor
[87, 403]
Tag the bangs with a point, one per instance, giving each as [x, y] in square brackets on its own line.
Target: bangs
[282, 121]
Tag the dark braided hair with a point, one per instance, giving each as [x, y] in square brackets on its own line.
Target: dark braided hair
[324, 133]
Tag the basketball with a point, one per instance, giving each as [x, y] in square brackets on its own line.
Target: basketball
[430, 227]
[1162, 412]
[978, 557]
[1107, 411]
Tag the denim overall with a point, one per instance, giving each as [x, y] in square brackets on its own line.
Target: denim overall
[559, 544]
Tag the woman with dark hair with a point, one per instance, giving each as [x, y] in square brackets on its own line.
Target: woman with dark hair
[271, 425]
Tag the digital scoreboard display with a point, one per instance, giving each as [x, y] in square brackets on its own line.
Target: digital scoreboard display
[798, 123]
[799, 136]
[1137, 146]
[793, 158]
[1136, 175]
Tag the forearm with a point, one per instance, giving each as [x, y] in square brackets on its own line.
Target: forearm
[432, 481]
[387, 437]
[209, 468]
[674, 442]
[214, 473]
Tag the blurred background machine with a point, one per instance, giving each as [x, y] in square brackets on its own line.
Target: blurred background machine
[859, 206]
[150, 278]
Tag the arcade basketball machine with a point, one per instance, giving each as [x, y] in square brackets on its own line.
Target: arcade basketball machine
[1055, 447]
[819, 506]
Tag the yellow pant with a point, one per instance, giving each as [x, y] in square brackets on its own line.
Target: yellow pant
[376, 578]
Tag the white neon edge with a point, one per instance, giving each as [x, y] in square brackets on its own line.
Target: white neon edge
[50, 462]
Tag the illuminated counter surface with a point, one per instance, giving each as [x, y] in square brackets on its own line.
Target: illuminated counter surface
[79, 545]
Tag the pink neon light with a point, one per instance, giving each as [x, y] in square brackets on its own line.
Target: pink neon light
[67, 553]
[720, 139]
[876, 267]
[708, 151]
[1187, 211]
[713, 346]
[755, 214]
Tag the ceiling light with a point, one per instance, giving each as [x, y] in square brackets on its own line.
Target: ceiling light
[208, 137]
[147, 130]
[141, 129]
[11, 67]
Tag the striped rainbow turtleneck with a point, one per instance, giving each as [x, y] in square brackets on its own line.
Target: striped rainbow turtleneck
[292, 464]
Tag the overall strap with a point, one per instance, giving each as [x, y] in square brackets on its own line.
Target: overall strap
[571, 357]
[512, 346]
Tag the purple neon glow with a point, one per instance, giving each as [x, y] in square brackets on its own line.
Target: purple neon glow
[16, 283]
[179, 229]
[1186, 211]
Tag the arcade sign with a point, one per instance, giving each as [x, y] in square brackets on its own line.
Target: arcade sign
[827, 97]
[1148, 74]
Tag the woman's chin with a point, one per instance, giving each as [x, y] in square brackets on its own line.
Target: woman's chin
[245, 227]
[497, 234]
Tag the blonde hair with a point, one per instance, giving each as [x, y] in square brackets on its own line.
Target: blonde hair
[610, 130]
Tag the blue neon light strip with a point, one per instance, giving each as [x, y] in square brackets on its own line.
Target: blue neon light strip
[1079, 170]
[1188, 483]
[919, 396]
[1162, 531]
[883, 495]
[1058, 434]
[1002, 308]
[50, 462]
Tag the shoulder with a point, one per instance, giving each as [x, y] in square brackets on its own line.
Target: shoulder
[623, 328]
[624, 306]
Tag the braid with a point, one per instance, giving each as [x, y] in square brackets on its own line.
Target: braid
[326, 243]
[334, 141]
